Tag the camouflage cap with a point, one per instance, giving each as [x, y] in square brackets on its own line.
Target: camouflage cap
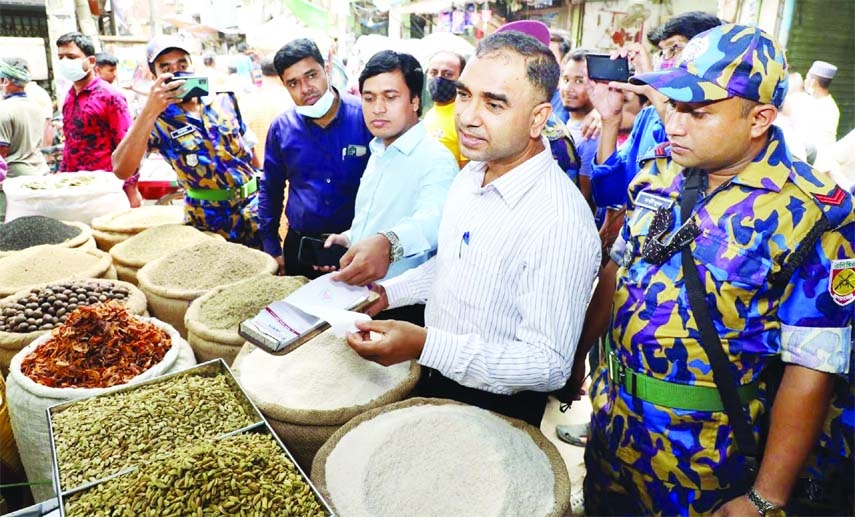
[723, 62]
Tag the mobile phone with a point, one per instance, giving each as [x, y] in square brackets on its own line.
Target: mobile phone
[601, 67]
[194, 86]
[313, 253]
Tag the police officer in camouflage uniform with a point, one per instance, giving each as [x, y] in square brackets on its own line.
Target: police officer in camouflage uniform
[661, 441]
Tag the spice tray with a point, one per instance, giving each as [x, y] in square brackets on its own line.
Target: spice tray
[208, 369]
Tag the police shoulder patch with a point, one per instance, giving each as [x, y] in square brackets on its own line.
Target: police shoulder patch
[841, 285]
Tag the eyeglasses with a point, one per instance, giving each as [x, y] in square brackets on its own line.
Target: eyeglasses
[671, 52]
[655, 250]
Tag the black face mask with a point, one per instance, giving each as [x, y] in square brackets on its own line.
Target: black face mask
[441, 90]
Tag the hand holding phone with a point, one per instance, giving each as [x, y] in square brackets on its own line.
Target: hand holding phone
[194, 86]
[313, 253]
[601, 67]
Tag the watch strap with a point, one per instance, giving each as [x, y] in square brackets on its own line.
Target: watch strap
[762, 505]
[396, 251]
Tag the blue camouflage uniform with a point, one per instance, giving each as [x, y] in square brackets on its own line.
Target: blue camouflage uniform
[663, 459]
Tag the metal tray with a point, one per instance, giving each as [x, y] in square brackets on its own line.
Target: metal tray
[210, 369]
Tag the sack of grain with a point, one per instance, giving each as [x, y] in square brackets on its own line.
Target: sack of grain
[172, 282]
[70, 196]
[137, 251]
[115, 227]
[29, 399]
[436, 458]
[51, 263]
[309, 393]
[32, 312]
[34, 230]
[10, 460]
[212, 320]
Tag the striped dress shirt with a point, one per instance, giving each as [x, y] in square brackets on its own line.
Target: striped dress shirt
[507, 291]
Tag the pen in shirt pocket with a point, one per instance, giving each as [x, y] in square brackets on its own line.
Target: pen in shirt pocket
[464, 240]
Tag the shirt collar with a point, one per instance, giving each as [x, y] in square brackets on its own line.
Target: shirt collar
[404, 143]
[771, 169]
[514, 184]
[16, 94]
[94, 83]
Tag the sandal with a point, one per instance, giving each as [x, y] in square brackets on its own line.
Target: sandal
[574, 434]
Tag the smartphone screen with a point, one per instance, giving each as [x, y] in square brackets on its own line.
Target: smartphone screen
[194, 86]
[313, 253]
[602, 68]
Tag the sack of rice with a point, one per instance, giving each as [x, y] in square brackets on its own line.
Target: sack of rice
[32, 312]
[70, 196]
[212, 320]
[115, 227]
[34, 230]
[172, 282]
[51, 263]
[436, 458]
[10, 460]
[135, 252]
[307, 394]
[70, 363]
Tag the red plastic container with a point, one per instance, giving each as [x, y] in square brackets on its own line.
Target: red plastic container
[153, 190]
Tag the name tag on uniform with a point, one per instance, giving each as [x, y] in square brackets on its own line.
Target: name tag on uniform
[653, 202]
[181, 132]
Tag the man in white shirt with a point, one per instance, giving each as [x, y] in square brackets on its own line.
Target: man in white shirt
[822, 115]
[518, 250]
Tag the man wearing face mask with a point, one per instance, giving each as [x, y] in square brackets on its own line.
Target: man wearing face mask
[204, 140]
[95, 116]
[320, 148]
[443, 70]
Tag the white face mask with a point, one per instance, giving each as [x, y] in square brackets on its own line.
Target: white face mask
[319, 108]
[71, 69]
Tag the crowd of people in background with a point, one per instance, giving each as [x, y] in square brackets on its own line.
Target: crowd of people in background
[663, 244]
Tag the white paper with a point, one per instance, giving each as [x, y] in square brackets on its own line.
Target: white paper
[341, 321]
[329, 300]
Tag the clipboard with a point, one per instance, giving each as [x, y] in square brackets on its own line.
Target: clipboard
[273, 346]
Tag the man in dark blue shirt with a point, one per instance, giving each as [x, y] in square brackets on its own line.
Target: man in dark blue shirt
[320, 147]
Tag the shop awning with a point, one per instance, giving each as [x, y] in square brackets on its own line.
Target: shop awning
[311, 15]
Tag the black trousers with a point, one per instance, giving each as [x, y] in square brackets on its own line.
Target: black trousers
[291, 247]
[525, 405]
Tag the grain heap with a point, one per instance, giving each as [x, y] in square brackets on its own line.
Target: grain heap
[104, 435]
[436, 460]
[115, 227]
[33, 230]
[51, 263]
[245, 474]
[171, 282]
[151, 244]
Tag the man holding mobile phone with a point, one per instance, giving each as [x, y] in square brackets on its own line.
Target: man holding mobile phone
[400, 199]
[203, 138]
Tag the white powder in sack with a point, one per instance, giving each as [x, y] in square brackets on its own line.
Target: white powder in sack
[323, 374]
[441, 461]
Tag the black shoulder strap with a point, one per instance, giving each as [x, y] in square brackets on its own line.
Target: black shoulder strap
[804, 248]
[710, 341]
[237, 108]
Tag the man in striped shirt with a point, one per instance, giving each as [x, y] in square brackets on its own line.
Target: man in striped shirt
[518, 250]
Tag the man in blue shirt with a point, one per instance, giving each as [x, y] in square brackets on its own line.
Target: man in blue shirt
[402, 193]
[320, 147]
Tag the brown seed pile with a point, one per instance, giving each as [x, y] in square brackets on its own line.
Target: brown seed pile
[103, 435]
[45, 308]
[156, 242]
[243, 300]
[247, 474]
[207, 265]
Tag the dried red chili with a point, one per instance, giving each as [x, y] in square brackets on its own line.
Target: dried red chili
[97, 347]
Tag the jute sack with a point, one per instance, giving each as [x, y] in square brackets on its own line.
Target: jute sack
[50, 263]
[28, 401]
[12, 342]
[212, 320]
[171, 284]
[138, 250]
[303, 430]
[561, 488]
[9, 458]
[115, 227]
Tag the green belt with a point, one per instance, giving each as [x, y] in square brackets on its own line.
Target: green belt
[671, 394]
[242, 192]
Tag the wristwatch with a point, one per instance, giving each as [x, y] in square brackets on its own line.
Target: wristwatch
[397, 251]
[764, 507]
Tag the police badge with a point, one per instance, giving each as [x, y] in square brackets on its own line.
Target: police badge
[192, 160]
[842, 282]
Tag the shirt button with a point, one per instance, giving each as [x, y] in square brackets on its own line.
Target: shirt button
[329, 180]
